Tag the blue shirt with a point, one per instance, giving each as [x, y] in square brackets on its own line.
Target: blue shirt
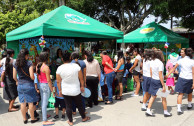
[36, 81]
[55, 85]
[102, 76]
[121, 67]
[23, 74]
[81, 63]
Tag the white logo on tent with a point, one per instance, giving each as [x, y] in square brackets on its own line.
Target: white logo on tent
[71, 18]
[147, 30]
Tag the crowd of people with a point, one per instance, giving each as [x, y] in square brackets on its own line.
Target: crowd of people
[33, 83]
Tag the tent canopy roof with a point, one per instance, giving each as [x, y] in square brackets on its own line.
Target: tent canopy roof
[65, 22]
[152, 33]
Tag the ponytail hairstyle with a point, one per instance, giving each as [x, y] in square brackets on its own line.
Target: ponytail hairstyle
[90, 57]
[43, 57]
[21, 61]
[188, 52]
[8, 65]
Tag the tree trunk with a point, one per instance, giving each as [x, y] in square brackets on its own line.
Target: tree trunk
[62, 2]
[171, 22]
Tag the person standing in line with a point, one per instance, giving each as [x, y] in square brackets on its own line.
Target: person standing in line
[157, 81]
[92, 77]
[109, 73]
[10, 89]
[4, 55]
[75, 59]
[127, 74]
[185, 83]
[135, 70]
[120, 65]
[146, 77]
[43, 72]
[26, 89]
[69, 76]
[58, 101]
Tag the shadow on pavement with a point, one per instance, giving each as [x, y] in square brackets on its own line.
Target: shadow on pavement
[3, 106]
[92, 118]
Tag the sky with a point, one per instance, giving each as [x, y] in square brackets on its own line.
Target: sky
[151, 18]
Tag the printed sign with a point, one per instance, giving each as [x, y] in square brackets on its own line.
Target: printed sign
[147, 30]
[71, 18]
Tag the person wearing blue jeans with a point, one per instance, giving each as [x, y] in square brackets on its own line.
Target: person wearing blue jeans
[45, 94]
[109, 73]
[109, 79]
[43, 72]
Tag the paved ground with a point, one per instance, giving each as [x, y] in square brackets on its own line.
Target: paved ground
[123, 113]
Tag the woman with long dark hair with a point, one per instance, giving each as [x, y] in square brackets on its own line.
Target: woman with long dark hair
[43, 72]
[26, 89]
[69, 77]
[10, 90]
[120, 65]
[185, 83]
[157, 81]
[92, 77]
[135, 70]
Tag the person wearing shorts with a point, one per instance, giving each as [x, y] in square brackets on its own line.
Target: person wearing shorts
[59, 101]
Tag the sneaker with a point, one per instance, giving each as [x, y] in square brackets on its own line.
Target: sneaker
[62, 117]
[134, 95]
[55, 117]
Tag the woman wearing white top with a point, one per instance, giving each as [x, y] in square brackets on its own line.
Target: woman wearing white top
[185, 83]
[69, 76]
[146, 76]
[136, 70]
[156, 70]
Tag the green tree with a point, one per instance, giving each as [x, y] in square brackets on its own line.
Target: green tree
[182, 9]
[15, 13]
[125, 15]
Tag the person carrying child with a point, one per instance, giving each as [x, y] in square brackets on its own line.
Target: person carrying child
[170, 79]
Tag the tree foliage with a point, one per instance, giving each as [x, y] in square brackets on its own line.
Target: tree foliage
[15, 13]
[183, 9]
[125, 15]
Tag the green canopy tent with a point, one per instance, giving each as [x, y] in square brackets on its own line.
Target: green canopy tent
[63, 22]
[153, 33]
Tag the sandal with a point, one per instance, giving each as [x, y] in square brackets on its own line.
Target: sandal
[119, 98]
[86, 119]
[108, 102]
[70, 123]
[12, 110]
[48, 123]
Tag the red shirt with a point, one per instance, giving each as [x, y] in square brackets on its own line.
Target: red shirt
[107, 59]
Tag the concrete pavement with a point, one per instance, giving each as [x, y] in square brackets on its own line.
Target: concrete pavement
[121, 113]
